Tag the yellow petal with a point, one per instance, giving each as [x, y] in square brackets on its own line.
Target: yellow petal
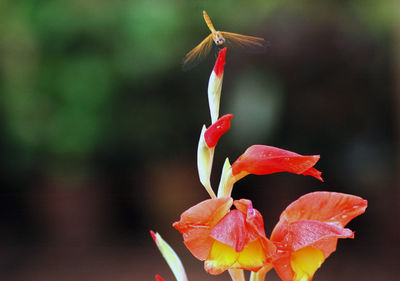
[221, 257]
[305, 262]
[252, 257]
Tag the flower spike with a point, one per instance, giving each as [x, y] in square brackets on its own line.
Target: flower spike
[228, 235]
[170, 256]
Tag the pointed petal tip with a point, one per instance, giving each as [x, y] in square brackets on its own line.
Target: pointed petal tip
[220, 63]
[316, 174]
[178, 225]
[350, 233]
[153, 235]
[159, 278]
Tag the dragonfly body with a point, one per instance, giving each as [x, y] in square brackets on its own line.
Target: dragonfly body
[220, 38]
[217, 37]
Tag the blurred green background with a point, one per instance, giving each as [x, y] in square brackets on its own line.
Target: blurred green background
[99, 127]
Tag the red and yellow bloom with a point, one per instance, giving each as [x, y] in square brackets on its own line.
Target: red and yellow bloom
[224, 238]
[308, 230]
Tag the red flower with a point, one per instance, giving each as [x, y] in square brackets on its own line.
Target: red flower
[216, 130]
[263, 160]
[159, 278]
[225, 239]
[308, 230]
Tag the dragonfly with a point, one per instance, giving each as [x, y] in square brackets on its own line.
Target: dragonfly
[221, 39]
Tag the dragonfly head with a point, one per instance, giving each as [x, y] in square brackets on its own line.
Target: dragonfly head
[218, 39]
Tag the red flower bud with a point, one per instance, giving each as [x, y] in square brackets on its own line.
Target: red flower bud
[216, 130]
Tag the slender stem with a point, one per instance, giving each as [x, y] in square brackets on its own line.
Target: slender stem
[209, 188]
[237, 274]
[260, 275]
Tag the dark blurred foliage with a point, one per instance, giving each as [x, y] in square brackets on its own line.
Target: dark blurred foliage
[99, 127]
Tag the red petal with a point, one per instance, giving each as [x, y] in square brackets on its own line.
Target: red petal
[196, 223]
[280, 235]
[309, 233]
[325, 206]
[198, 242]
[255, 225]
[282, 267]
[216, 130]
[159, 278]
[220, 63]
[301, 234]
[314, 173]
[207, 212]
[254, 219]
[243, 205]
[231, 230]
[263, 160]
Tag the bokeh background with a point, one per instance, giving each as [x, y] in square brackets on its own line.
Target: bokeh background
[99, 127]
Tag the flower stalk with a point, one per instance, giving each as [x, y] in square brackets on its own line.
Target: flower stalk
[228, 235]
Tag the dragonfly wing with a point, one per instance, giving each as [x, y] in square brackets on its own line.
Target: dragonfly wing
[239, 40]
[198, 53]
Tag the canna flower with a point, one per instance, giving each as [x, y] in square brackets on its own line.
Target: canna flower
[223, 238]
[308, 230]
[264, 160]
